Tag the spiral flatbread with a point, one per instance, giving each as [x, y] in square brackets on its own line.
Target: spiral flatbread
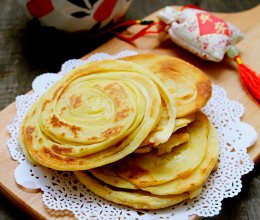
[95, 115]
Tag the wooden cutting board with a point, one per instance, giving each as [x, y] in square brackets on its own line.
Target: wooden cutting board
[224, 74]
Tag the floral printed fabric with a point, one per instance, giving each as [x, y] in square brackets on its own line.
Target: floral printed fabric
[200, 32]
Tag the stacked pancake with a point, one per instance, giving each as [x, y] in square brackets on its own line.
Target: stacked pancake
[131, 130]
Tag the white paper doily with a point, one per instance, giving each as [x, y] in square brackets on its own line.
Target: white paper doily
[62, 191]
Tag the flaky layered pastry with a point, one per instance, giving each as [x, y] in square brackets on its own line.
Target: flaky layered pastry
[97, 114]
[151, 169]
[131, 130]
[190, 87]
[137, 199]
[198, 176]
[107, 182]
[155, 168]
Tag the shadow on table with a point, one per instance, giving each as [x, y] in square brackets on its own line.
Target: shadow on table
[47, 48]
[8, 212]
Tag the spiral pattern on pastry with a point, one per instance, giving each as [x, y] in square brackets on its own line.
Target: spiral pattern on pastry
[95, 115]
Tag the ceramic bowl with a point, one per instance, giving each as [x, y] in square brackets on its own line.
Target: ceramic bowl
[76, 15]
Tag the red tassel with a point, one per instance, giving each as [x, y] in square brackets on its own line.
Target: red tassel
[249, 79]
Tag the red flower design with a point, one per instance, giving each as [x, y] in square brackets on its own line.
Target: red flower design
[39, 8]
[104, 10]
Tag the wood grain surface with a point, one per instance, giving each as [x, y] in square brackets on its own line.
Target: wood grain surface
[29, 50]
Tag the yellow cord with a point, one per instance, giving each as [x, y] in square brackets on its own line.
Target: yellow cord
[238, 60]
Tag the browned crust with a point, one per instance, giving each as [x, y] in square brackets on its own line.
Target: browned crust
[122, 114]
[50, 154]
[58, 149]
[55, 94]
[170, 67]
[28, 134]
[136, 171]
[55, 121]
[111, 131]
[45, 103]
[75, 101]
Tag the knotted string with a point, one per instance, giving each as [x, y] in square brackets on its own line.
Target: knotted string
[161, 26]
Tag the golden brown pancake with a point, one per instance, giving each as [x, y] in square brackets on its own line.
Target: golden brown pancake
[190, 87]
[95, 115]
[193, 181]
[137, 199]
[108, 173]
[131, 130]
[197, 177]
[151, 169]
